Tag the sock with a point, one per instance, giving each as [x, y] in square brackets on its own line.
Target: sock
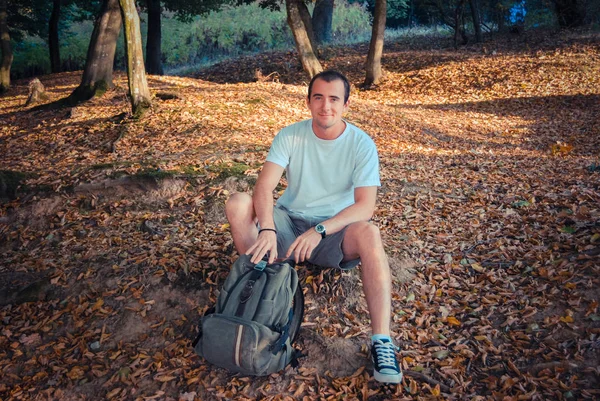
[376, 337]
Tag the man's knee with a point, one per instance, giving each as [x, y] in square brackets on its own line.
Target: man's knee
[362, 238]
[365, 231]
[239, 205]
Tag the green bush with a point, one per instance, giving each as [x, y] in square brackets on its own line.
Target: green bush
[351, 23]
[31, 58]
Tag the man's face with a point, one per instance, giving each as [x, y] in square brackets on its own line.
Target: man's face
[326, 103]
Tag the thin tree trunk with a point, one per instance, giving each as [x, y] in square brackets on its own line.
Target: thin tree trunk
[307, 20]
[53, 42]
[153, 43]
[136, 73]
[322, 20]
[374, 71]
[476, 20]
[459, 24]
[7, 54]
[306, 52]
[97, 74]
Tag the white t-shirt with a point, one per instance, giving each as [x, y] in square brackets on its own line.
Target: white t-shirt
[322, 174]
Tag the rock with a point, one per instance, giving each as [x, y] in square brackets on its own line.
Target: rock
[37, 92]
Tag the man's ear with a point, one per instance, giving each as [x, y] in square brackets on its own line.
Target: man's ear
[346, 105]
[307, 102]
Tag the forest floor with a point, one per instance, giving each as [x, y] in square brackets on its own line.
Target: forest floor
[115, 242]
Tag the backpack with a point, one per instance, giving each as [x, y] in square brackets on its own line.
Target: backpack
[256, 319]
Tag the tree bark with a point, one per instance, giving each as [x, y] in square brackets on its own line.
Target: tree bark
[459, 28]
[53, 42]
[374, 71]
[476, 20]
[322, 20]
[97, 74]
[306, 52]
[153, 43]
[307, 20]
[136, 73]
[7, 54]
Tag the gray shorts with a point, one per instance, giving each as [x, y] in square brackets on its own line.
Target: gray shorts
[329, 251]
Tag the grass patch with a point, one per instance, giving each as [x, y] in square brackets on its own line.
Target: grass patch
[157, 174]
[229, 169]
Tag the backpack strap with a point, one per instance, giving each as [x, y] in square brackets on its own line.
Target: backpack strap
[285, 334]
[248, 290]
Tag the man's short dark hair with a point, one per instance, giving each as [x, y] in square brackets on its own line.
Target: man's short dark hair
[329, 76]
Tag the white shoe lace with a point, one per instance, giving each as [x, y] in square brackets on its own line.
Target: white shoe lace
[385, 353]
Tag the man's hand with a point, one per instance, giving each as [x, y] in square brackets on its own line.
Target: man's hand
[266, 242]
[303, 246]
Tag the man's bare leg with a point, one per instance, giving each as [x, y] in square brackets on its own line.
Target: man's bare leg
[242, 220]
[363, 240]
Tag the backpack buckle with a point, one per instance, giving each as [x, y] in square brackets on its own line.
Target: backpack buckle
[260, 266]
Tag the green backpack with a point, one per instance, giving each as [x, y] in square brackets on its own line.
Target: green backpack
[256, 319]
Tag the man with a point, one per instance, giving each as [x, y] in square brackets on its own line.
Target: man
[332, 169]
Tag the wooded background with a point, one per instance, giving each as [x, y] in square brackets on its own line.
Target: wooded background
[468, 20]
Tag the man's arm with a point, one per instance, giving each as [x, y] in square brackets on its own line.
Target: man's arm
[262, 198]
[362, 210]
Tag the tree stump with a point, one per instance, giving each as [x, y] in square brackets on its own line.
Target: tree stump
[37, 92]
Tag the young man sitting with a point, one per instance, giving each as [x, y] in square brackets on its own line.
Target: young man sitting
[332, 169]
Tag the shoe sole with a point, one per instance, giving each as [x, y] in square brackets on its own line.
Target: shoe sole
[383, 378]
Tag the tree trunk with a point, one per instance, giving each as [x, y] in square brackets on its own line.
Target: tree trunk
[568, 13]
[136, 73]
[459, 28]
[307, 20]
[476, 20]
[374, 71]
[306, 52]
[97, 74]
[7, 54]
[153, 43]
[322, 20]
[53, 42]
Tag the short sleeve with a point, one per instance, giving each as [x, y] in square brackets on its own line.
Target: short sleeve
[366, 171]
[280, 150]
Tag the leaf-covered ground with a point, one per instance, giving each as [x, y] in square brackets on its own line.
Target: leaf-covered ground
[116, 242]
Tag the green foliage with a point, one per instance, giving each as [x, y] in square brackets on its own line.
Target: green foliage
[74, 43]
[186, 10]
[30, 57]
[396, 9]
[28, 17]
[351, 23]
[231, 31]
